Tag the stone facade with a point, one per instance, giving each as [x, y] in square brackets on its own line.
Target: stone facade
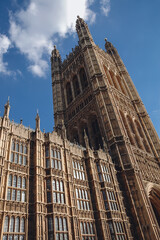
[97, 175]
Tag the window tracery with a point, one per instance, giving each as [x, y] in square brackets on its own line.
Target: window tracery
[16, 188]
[18, 153]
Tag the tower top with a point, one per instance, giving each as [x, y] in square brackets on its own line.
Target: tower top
[55, 53]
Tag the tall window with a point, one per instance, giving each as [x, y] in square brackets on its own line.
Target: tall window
[58, 191]
[18, 153]
[103, 173]
[82, 199]
[78, 170]
[119, 231]
[16, 188]
[50, 228]
[54, 158]
[87, 230]
[76, 86]
[56, 161]
[83, 78]
[61, 228]
[69, 93]
[14, 227]
[112, 200]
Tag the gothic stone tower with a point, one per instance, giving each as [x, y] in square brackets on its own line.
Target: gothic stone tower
[95, 99]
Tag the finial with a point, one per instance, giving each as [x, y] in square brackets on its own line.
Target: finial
[8, 98]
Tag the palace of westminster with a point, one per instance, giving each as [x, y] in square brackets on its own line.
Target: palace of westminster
[97, 175]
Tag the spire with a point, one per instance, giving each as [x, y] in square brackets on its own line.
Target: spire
[37, 121]
[7, 109]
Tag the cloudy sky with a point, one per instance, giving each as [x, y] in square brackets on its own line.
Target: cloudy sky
[30, 28]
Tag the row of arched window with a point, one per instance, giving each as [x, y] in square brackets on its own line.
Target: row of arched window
[61, 228]
[87, 229]
[103, 173]
[14, 224]
[16, 188]
[16, 181]
[18, 153]
[115, 81]
[78, 170]
[75, 85]
[135, 132]
[19, 147]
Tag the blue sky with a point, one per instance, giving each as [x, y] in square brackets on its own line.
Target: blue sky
[29, 29]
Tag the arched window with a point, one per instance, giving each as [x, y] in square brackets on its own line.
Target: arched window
[61, 186]
[65, 224]
[83, 78]
[60, 224]
[24, 183]
[22, 228]
[15, 181]
[69, 93]
[11, 224]
[107, 75]
[127, 129]
[142, 136]
[56, 224]
[10, 180]
[114, 79]
[19, 182]
[76, 86]
[121, 84]
[17, 224]
[5, 229]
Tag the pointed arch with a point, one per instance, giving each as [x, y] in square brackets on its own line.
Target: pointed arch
[83, 78]
[69, 93]
[153, 193]
[76, 86]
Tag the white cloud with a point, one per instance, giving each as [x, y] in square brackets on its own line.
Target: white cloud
[32, 29]
[4, 46]
[105, 6]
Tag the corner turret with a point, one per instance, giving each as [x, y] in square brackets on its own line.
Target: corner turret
[58, 98]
